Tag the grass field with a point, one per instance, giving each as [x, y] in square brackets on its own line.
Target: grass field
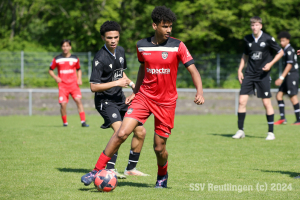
[40, 159]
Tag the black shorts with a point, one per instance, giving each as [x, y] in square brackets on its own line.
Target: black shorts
[262, 86]
[290, 84]
[111, 112]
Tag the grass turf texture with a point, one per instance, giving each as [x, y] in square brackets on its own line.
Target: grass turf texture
[40, 159]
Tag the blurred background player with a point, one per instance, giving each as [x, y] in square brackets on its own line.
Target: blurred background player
[107, 80]
[68, 81]
[155, 90]
[289, 79]
[257, 55]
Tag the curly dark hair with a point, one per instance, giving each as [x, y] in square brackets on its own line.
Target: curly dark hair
[284, 34]
[109, 26]
[65, 40]
[162, 14]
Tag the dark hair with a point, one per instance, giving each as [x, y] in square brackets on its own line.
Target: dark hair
[65, 40]
[109, 26]
[162, 14]
[284, 34]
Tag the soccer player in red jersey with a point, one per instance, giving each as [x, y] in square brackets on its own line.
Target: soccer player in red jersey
[68, 81]
[155, 90]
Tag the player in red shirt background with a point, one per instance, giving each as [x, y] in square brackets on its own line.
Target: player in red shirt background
[155, 90]
[68, 81]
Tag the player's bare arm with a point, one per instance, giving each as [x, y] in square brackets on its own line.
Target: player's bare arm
[199, 99]
[52, 74]
[139, 81]
[279, 81]
[298, 52]
[79, 75]
[268, 66]
[244, 60]
[122, 82]
[130, 83]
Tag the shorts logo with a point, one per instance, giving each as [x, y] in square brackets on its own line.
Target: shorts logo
[121, 60]
[262, 44]
[164, 55]
[114, 115]
[266, 93]
[294, 82]
[250, 44]
[289, 92]
[289, 53]
[257, 55]
[296, 66]
[61, 98]
[129, 111]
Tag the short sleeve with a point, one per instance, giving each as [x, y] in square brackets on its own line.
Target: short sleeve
[97, 71]
[290, 56]
[77, 64]
[184, 55]
[53, 64]
[273, 45]
[139, 55]
[246, 47]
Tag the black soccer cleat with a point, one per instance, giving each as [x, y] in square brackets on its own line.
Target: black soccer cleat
[88, 178]
[65, 125]
[84, 124]
[162, 181]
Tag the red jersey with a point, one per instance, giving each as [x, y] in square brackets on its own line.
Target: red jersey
[66, 68]
[161, 66]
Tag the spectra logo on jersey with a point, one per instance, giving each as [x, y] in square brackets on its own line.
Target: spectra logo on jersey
[67, 71]
[257, 55]
[158, 71]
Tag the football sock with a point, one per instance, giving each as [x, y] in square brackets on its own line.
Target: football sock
[162, 170]
[281, 109]
[102, 161]
[297, 111]
[111, 163]
[270, 119]
[133, 160]
[64, 118]
[82, 117]
[241, 119]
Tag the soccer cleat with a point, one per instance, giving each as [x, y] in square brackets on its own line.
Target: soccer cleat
[83, 124]
[162, 181]
[65, 125]
[134, 172]
[239, 134]
[270, 136]
[119, 176]
[296, 123]
[281, 121]
[88, 178]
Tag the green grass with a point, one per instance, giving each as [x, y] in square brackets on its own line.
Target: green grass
[40, 159]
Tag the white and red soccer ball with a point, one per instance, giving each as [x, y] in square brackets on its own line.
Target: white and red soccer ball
[106, 180]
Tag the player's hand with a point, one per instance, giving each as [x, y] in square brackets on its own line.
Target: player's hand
[241, 77]
[278, 82]
[123, 82]
[129, 99]
[267, 67]
[298, 52]
[58, 80]
[199, 99]
[79, 82]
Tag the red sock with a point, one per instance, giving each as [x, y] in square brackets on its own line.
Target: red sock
[82, 116]
[64, 118]
[102, 161]
[162, 170]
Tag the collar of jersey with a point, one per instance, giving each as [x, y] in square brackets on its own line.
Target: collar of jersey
[114, 55]
[256, 40]
[287, 46]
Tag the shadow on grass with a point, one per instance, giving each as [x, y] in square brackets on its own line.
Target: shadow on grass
[291, 174]
[84, 171]
[230, 135]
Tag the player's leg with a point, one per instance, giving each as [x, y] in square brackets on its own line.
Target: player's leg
[281, 105]
[136, 148]
[76, 94]
[293, 85]
[270, 117]
[295, 102]
[162, 160]
[63, 98]
[63, 112]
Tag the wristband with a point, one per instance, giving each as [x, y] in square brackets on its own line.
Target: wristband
[131, 84]
[281, 77]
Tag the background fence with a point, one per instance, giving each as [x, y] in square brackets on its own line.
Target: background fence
[30, 69]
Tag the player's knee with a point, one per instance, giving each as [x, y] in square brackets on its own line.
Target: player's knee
[159, 148]
[140, 133]
[242, 102]
[122, 135]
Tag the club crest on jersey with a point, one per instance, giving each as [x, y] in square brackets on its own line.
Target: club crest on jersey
[262, 44]
[294, 82]
[273, 39]
[250, 44]
[289, 53]
[110, 66]
[121, 60]
[129, 111]
[96, 62]
[71, 63]
[164, 55]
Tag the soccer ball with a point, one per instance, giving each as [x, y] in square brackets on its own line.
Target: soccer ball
[106, 180]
